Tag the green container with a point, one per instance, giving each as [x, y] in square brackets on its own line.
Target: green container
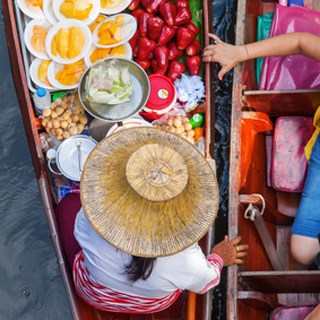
[263, 30]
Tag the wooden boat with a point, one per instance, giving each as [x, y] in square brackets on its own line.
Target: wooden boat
[263, 282]
[194, 307]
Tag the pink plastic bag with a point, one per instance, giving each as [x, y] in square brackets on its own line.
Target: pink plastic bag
[289, 164]
[291, 313]
[298, 71]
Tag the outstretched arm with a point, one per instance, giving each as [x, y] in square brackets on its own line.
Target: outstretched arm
[228, 56]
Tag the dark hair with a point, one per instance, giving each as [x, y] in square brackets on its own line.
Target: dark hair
[140, 268]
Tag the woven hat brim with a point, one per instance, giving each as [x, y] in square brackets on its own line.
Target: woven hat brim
[133, 224]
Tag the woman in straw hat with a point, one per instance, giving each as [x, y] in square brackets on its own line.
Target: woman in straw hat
[147, 198]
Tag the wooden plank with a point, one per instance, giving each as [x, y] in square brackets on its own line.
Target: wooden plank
[282, 282]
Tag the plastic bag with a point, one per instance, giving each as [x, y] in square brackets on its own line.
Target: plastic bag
[280, 73]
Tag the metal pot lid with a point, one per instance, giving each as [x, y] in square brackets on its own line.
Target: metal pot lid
[72, 155]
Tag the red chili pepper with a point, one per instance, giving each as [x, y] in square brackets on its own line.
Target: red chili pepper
[154, 5]
[155, 25]
[143, 24]
[167, 34]
[184, 38]
[183, 16]
[193, 28]
[194, 48]
[133, 41]
[174, 52]
[176, 70]
[182, 4]
[137, 13]
[134, 5]
[146, 46]
[193, 64]
[145, 64]
[161, 57]
[150, 116]
[168, 12]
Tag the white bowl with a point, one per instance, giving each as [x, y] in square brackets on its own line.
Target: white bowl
[92, 16]
[127, 31]
[34, 67]
[116, 9]
[127, 55]
[48, 11]
[28, 32]
[52, 71]
[68, 24]
[32, 12]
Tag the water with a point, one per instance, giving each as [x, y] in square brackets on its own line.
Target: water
[31, 286]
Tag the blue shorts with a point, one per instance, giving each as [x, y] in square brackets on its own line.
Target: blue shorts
[307, 221]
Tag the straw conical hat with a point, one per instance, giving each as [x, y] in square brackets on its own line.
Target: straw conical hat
[148, 192]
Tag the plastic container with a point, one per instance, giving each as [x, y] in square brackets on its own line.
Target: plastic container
[162, 98]
[41, 99]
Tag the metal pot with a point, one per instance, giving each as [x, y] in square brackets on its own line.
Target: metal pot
[71, 156]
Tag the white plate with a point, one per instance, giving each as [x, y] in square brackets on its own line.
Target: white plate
[28, 32]
[34, 67]
[48, 11]
[67, 156]
[68, 24]
[127, 55]
[32, 12]
[127, 31]
[116, 9]
[52, 71]
[92, 16]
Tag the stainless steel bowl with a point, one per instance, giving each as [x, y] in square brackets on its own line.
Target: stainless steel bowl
[119, 112]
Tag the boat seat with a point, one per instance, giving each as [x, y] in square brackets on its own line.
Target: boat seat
[288, 162]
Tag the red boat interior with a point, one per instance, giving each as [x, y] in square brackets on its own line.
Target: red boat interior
[261, 121]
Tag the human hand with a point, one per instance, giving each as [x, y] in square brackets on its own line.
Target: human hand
[227, 55]
[231, 251]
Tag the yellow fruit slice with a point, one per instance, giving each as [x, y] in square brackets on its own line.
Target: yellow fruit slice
[118, 51]
[43, 72]
[76, 9]
[99, 54]
[96, 22]
[70, 74]
[76, 42]
[38, 38]
[63, 42]
[34, 3]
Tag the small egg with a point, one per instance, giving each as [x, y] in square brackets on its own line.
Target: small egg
[49, 125]
[56, 124]
[54, 115]
[44, 122]
[46, 112]
[83, 119]
[66, 115]
[66, 134]
[170, 122]
[73, 131]
[180, 130]
[59, 132]
[59, 111]
[64, 124]
[80, 127]
[75, 118]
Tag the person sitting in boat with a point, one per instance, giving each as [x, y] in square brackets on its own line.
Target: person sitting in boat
[147, 197]
[306, 228]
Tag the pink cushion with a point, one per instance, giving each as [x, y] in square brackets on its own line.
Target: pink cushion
[291, 313]
[289, 164]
